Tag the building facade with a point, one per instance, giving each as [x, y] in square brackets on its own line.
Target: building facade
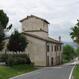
[42, 50]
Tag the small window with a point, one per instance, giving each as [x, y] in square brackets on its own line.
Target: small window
[52, 48]
[47, 48]
[60, 47]
[55, 48]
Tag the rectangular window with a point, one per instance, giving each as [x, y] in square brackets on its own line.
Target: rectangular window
[60, 47]
[52, 48]
[55, 48]
[47, 48]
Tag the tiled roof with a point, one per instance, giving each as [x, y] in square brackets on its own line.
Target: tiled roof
[36, 31]
[48, 39]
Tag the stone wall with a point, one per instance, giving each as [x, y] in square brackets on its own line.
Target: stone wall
[37, 51]
[34, 24]
[40, 34]
[56, 55]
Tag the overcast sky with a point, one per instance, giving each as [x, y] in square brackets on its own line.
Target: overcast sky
[62, 14]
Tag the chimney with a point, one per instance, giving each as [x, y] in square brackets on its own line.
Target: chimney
[59, 38]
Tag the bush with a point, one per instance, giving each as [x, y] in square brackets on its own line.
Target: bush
[77, 52]
[3, 57]
[10, 61]
[68, 53]
[15, 59]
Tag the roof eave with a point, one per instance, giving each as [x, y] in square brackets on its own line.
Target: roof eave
[34, 16]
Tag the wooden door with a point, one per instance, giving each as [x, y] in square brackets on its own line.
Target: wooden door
[47, 60]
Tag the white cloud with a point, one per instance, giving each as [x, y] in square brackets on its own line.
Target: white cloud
[61, 14]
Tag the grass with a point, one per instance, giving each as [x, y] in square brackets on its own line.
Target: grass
[76, 72]
[7, 72]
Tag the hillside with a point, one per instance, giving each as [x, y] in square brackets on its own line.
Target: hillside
[71, 43]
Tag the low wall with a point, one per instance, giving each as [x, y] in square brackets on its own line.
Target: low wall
[8, 52]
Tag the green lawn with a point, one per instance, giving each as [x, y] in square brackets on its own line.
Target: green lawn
[76, 72]
[7, 72]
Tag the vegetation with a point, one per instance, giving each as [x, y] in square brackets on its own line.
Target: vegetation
[68, 53]
[3, 23]
[16, 63]
[7, 72]
[76, 72]
[77, 51]
[75, 33]
[17, 42]
[2, 35]
[3, 19]
[15, 59]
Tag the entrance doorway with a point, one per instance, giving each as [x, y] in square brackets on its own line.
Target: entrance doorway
[58, 60]
[47, 60]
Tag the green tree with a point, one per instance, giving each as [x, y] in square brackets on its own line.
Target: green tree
[17, 42]
[75, 33]
[3, 19]
[3, 23]
[68, 53]
[77, 51]
[2, 36]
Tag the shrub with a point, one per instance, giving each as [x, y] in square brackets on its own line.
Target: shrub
[15, 59]
[10, 61]
[77, 52]
[3, 57]
[68, 53]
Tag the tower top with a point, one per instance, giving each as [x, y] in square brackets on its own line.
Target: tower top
[35, 17]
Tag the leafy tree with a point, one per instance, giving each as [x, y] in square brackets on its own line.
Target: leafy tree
[17, 42]
[3, 23]
[68, 52]
[2, 35]
[3, 19]
[75, 32]
[77, 51]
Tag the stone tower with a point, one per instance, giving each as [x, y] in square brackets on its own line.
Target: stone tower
[35, 25]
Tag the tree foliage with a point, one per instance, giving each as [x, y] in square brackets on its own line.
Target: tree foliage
[3, 19]
[17, 42]
[75, 32]
[68, 52]
[77, 51]
[3, 23]
[2, 35]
